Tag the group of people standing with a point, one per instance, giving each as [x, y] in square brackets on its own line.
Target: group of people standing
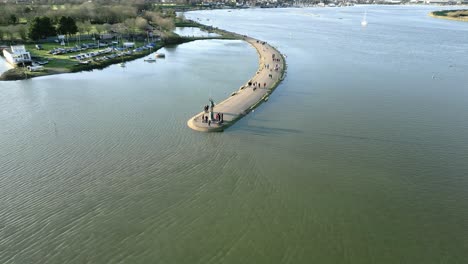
[256, 85]
[206, 108]
[210, 117]
[276, 60]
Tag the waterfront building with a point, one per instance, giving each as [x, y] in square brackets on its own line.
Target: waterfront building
[392, 2]
[441, 2]
[17, 55]
[128, 45]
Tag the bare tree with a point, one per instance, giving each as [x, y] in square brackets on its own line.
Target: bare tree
[10, 32]
[130, 24]
[159, 21]
[22, 31]
[107, 27]
[141, 23]
[84, 27]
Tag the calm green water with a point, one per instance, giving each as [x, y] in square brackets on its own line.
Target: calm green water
[359, 156]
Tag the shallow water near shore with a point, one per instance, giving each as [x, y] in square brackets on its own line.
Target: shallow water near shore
[359, 156]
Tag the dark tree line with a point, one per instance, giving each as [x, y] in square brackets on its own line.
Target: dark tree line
[67, 26]
[42, 27]
[43, 18]
[89, 11]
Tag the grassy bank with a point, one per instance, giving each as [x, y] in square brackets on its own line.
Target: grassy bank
[458, 15]
[64, 64]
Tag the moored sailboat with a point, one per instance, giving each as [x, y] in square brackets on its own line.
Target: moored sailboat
[364, 20]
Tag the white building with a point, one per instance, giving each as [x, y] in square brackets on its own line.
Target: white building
[129, 44]
[17, 55]
[440, 2]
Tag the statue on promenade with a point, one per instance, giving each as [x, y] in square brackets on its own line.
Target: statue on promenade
[212, 104]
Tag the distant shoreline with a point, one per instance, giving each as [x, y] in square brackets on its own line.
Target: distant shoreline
[455, 15]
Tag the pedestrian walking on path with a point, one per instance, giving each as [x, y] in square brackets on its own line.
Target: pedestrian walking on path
[241, 102]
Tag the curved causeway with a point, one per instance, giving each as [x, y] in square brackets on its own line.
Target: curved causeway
[271, 70]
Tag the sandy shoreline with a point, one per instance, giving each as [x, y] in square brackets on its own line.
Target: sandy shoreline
[270, 73]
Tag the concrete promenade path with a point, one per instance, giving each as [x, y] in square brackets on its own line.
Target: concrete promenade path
[242, 101]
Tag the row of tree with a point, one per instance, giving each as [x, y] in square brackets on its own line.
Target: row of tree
[97, 13]
[10, 31]
[42, 27]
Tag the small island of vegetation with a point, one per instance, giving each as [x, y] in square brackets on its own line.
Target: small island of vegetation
[459, 15]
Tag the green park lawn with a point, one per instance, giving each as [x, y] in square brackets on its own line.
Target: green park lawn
[62, 61]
